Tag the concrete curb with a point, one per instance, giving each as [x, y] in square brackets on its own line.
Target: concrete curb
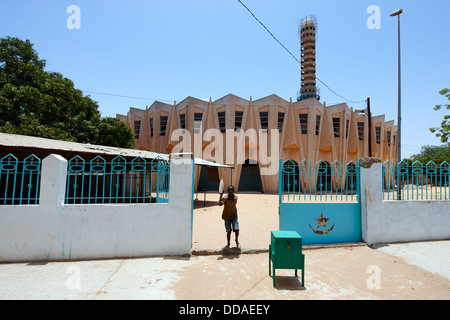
[230, 251]
[236, 251]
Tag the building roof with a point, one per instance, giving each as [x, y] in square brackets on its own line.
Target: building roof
[202, 162]
[15, 141]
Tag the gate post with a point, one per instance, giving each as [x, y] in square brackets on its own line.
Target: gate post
[280, 182]
[181, 197]
[53, 181]
[371, 189]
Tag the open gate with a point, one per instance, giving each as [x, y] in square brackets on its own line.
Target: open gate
[320, 201]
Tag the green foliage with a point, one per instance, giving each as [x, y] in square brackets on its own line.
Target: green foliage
[437, 154]
[115, 133]
[444, 131]
[45, 104]
[29, 125]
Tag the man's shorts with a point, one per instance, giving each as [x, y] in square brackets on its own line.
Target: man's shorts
[232, 225]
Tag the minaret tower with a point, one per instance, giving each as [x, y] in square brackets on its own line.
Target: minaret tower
[308, 59]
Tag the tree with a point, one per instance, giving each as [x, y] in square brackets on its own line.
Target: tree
[435, 172]
[437, 154]
[46, 104]
[444, 131]
[115, 133]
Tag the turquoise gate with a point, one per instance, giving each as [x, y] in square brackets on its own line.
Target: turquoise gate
[320, 201]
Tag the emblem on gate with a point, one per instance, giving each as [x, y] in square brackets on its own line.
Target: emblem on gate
[322, 222]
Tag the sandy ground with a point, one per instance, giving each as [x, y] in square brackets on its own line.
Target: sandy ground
[406, 271]
[344, 273]
[257, 213]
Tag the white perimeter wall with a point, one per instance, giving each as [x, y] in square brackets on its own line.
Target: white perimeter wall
[54, 231]
[399, 221]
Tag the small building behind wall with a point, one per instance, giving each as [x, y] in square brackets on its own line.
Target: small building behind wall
[95, 225]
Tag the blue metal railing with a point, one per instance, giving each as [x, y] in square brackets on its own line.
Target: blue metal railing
[117, 181]
[415, 181]
[19, 180]
[307, 182]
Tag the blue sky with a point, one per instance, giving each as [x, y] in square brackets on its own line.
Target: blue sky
[171, 49]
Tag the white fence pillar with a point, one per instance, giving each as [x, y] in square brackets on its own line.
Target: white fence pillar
[181, 196]
[53, 181]
[371, 195]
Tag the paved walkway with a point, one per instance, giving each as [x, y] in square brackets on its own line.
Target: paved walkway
[400, 271]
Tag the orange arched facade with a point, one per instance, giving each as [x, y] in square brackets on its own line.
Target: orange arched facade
[230, 130]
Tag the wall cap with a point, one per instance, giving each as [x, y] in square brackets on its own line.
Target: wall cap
[367, 162]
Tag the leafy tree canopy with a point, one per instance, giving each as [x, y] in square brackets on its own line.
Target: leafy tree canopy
[437, 154]
[444, 131]
[45, 104]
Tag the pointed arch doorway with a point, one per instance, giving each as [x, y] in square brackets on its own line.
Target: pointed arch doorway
[250, 178]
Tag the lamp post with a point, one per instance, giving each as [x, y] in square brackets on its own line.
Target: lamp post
[399, 120]
[369, 117]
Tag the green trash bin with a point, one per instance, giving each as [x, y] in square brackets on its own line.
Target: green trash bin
[285, 252]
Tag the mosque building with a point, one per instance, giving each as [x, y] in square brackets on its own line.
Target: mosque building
[252, 135]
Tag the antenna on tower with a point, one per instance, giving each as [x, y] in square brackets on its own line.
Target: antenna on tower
[307, 32]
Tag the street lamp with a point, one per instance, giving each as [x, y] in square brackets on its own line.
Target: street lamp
[399, 120]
